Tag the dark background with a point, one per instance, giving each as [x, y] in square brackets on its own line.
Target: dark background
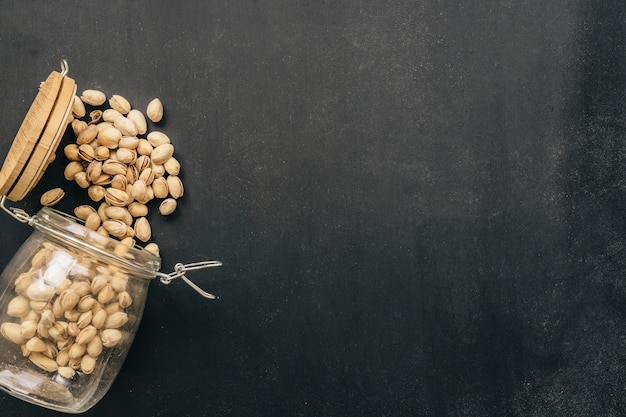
[419, 204]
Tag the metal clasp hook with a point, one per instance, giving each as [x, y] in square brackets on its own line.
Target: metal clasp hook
[180, 270]
[17, 213]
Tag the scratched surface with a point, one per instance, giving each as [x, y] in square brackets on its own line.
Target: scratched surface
[419, 205]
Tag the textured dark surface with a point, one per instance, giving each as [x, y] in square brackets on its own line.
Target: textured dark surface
[419, 205]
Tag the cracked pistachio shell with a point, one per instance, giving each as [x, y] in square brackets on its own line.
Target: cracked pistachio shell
[43, 362]
[167, 206]
[83, 211]
[86, 152]
[116, 197]
[52, 197]
[116, 228]
[126, 156]
[114, 167]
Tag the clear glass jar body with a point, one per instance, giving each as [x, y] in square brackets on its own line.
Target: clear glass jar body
[70, 306]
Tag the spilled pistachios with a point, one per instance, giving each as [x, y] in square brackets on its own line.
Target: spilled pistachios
[121, 165]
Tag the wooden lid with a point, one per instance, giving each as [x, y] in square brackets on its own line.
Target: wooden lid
[37, 139]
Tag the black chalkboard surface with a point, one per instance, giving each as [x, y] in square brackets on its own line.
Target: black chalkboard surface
[418, 204]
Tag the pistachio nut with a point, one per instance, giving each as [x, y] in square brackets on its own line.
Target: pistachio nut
[172, 166]
[98, 319]
[143, 231]
[109, 137]
[129, 142]
[126, 155]
[126, 126]
[13, 333]
[116, 197]
[113, 167]
[68, 299]
[77, 350]
[83, 211]
[66, 372]
[35, 344]
[81, 179]
[175, 186]
[43, 362]
[52, 197]
[154, 111]
[159, 186]
[71, 152]
[162, 153]
[72, 169]
[124, 299]
[88, 135]
[39, 291]
[94, 347]
[78, 126]
[78, 107]
[157, 138]
[167, 206]
[110, 337]
[29, 328]
[93, 97]
[96, 192]
[119, 103]
[19, 306]
[139, 120]
[109, 115]
[86, 335]
[153, 248]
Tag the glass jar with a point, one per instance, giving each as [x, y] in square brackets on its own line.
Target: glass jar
[70, 308]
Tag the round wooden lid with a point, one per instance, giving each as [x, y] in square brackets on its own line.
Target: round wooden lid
[37, 139]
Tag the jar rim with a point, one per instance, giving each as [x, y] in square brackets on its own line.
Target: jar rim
[69, 230]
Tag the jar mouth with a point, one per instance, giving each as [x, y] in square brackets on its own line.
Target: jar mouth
[69, 230]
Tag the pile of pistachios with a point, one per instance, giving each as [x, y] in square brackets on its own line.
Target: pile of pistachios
[121, 165]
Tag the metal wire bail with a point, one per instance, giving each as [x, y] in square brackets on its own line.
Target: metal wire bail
[180, 271]
[17, 213]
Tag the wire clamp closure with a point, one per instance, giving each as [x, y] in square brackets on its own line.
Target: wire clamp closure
[180, 270]
[17, 213]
